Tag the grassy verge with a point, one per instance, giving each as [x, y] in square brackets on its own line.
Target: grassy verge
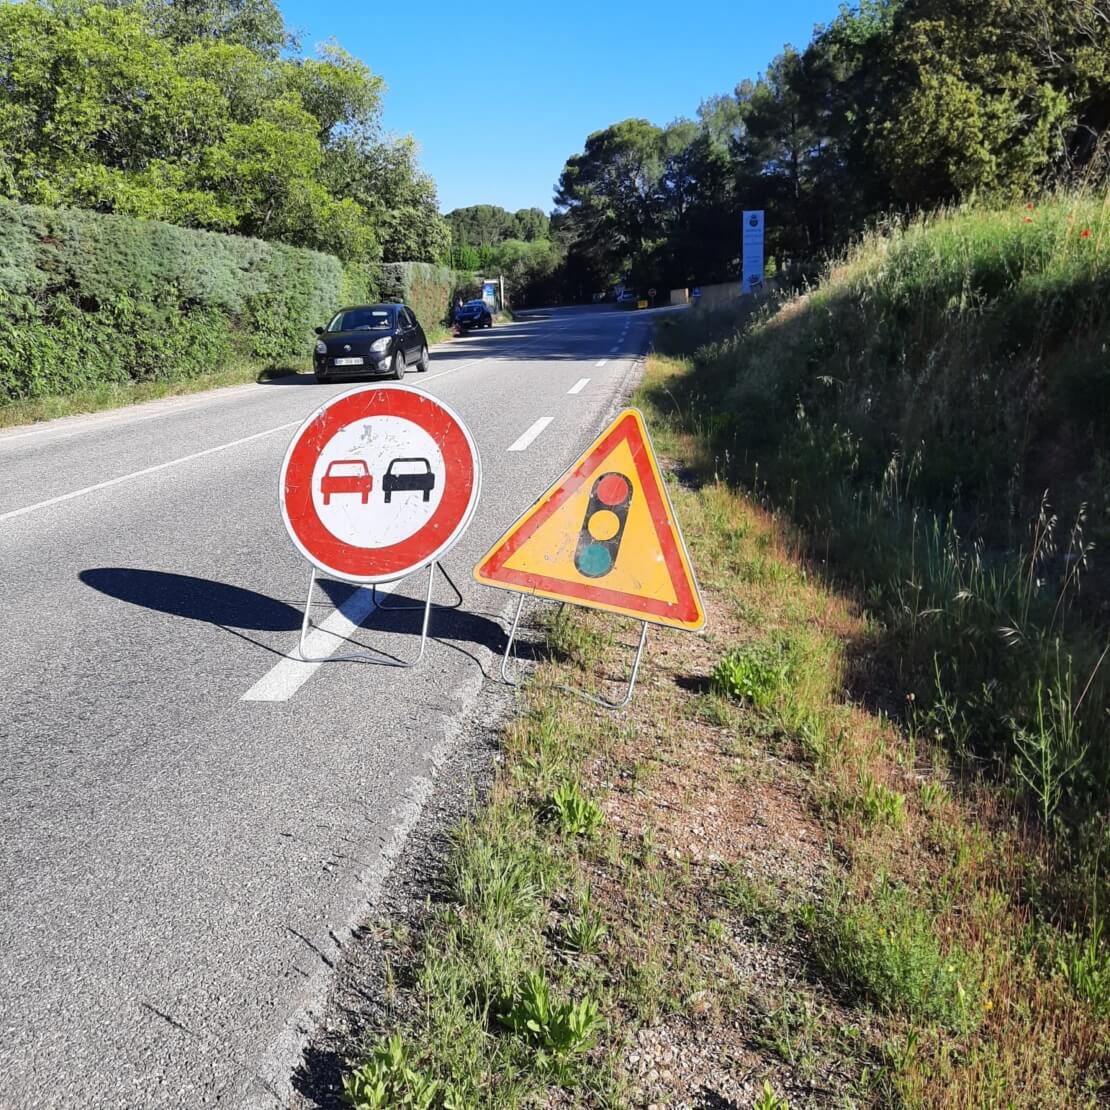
[113, 395]
[749, 890]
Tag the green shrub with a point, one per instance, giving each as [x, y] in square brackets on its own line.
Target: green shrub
[886, 949]
[427, 289]
[87, 298]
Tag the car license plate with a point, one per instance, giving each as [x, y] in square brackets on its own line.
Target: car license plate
[348, 362]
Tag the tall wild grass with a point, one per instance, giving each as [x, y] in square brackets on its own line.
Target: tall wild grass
[935, 414]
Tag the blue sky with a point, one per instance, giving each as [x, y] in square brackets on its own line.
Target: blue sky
[499, 96]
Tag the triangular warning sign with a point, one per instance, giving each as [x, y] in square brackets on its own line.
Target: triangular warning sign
[603, 536]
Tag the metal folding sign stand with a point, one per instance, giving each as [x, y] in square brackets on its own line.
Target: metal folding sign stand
[605, 703]
[427, 605]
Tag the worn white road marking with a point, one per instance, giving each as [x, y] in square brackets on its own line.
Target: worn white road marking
[579, 385]
[284, 679]
[601, 362]
[522, 443]
[145, 471]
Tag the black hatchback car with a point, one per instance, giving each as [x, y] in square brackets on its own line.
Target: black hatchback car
[474, 314]
[370, 339]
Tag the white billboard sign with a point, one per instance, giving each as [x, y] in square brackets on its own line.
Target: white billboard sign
[753, 251]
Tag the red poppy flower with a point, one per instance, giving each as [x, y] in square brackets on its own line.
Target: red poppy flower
[1085, 233]
[1030, 206]
[1028, 219]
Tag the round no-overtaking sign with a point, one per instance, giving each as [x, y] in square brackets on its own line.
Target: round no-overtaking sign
[379, 482]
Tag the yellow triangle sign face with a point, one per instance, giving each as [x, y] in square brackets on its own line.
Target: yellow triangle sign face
[604, 536]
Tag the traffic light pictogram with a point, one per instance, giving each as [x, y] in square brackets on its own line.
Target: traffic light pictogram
[603, 525]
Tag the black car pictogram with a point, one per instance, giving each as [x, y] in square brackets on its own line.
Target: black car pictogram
[416, 481]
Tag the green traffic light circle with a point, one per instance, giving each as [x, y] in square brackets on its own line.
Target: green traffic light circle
[595, 560]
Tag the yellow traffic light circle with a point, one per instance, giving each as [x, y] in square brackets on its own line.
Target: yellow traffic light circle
[604, 524]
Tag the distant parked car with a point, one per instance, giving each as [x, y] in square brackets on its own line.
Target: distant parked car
[474, 314]
[625, 296]
[370, 339]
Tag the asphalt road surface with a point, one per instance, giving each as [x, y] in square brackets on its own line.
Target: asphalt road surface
[191, 820]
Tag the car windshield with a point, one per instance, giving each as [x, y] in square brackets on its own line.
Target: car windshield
[362, 319]
[475, 304]
[345, 469]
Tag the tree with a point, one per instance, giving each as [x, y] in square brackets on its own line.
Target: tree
[255, 24]
[400, 199]
[184, 112]
[481, 225]
[609, 194]
[531, 224]
[528, 268]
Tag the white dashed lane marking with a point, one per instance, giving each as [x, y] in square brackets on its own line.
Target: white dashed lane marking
[284, 679]
[526, 439]
[579, 385]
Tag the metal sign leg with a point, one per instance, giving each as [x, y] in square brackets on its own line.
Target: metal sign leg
[306, 624]
[603, 702]
[379, 598]
[509, 646]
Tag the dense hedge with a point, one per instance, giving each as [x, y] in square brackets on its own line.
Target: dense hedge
[428, 290]
[87, 298]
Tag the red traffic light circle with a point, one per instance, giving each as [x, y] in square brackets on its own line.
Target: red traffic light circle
[612, 489]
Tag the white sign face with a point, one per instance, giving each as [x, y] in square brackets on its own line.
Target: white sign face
[378, 481]
[753, 251]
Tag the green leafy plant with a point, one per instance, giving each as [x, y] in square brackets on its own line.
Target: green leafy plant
[388, 1079]
[877, 802]
[1086, 966]
[584, 931]
[576, 814]
[556, 1026]
[752, 674]
[768, 1100]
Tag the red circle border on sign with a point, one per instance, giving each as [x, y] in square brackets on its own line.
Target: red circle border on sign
[461, 482]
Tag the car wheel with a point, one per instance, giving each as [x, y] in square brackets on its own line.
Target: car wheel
[422, 365]
[398, 365]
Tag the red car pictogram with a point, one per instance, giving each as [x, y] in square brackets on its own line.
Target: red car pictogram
[347, 476]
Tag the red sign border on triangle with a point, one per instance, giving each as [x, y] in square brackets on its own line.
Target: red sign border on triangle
[686, 612]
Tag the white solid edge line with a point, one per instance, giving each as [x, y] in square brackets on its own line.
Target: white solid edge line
[601, 362]
[146, 470]
[579, 385]
[285, 678]
[522, 443]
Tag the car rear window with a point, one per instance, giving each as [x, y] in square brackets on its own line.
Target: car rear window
[362, 319]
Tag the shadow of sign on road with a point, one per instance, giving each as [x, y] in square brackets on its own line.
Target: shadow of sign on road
[199, 599]
[234, 607]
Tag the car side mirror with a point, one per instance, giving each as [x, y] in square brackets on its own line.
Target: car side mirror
[318, 331]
